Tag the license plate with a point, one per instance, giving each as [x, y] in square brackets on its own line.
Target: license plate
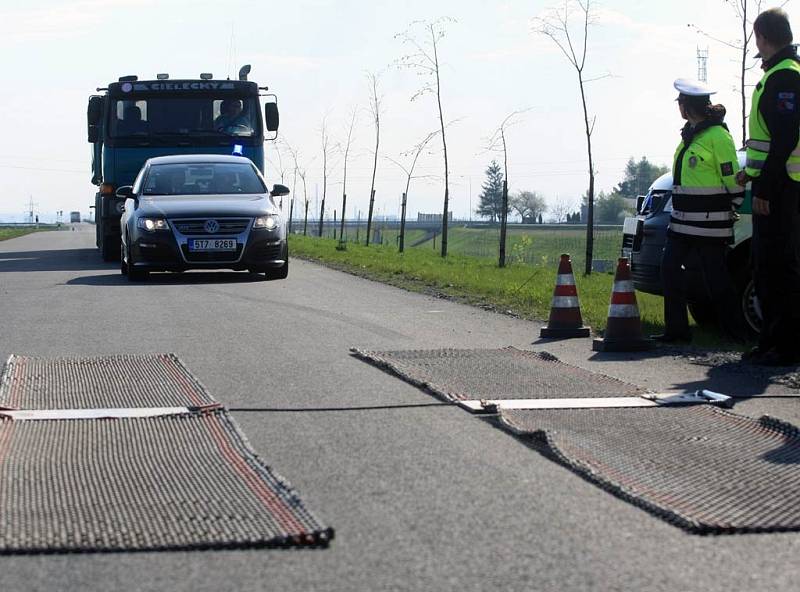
[212, 244]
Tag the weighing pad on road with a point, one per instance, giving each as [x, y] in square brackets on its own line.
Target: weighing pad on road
[678, 456]
[150, 463]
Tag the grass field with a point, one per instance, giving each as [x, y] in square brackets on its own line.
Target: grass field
[7, 232]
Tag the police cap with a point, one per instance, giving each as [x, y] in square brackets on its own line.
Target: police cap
[692, 88]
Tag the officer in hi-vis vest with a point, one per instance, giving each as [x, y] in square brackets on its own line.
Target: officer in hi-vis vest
[704, 194]
[773, 165]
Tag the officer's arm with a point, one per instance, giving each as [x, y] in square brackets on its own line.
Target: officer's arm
[728, 167]
[781, 112]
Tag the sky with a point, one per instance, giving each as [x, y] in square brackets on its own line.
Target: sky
[316, 55]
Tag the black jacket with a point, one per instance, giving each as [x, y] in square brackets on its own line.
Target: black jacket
[781, 112]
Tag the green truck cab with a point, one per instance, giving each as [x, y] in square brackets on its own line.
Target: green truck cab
[133, 120]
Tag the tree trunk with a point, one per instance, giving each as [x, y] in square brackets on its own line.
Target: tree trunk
[503, 222]
[444, 147]
[341, 228]
[590, 195]
[402, 223]
[291, 212]
[369, 215]
[305, 221]
[744, 72]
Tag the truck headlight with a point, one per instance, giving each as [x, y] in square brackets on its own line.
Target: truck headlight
[270, 222]
[152, 224]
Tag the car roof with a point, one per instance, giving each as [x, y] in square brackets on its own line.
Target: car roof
[198, 158]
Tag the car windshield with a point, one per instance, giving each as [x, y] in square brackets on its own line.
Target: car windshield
[655, 202]
[142, 117]
[202, 179]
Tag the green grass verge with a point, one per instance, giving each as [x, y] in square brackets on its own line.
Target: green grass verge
[523, 290]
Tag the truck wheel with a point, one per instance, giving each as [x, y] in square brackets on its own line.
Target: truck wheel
[111, 247]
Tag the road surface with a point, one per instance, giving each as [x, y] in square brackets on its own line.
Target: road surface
[422, 495]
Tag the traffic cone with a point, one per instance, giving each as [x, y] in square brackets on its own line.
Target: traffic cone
[624, 328]
[565, 310]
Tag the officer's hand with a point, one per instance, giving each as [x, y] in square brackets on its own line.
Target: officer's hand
[760, 206]
[742, 178]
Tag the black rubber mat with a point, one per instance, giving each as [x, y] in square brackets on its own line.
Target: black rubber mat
[705, 469]
[177, 482]
[508, 373]
[152, 380]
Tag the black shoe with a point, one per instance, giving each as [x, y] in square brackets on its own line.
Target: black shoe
[756, 353]
[777, 359]
[671, 338]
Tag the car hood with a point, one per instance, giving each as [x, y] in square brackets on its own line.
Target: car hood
[174, 206]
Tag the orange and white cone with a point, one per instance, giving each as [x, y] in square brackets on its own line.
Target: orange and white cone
[565, 310]
[624, 328]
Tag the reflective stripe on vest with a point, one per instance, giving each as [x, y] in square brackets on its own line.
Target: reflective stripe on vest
[701, 231]
[758, 145]
[702, 216]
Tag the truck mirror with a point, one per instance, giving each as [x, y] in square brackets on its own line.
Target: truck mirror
[94, 113]
[278, 190]
[271, 117]
[125, 191]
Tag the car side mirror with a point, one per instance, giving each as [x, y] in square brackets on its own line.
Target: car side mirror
[125, 191]
[278, 190]
[271, 117]
[639, 202]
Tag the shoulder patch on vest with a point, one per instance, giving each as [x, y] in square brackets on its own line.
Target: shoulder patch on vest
[726, 168]
[786, 102]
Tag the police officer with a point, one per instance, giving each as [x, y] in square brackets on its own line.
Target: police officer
[701, 224]
[773, 165]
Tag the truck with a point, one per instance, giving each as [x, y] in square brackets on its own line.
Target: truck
[74, 217]
[643, 240]
[132, 120]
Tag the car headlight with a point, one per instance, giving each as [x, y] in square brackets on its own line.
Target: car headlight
[270, 222]
[152, 224]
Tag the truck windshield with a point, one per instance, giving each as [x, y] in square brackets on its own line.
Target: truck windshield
[182, 116]
[202, 179]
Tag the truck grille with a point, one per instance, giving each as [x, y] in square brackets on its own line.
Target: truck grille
[196, 226]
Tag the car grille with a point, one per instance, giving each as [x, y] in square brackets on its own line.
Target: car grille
[196, 226]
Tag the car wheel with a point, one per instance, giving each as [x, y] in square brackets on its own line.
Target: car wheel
[135, 275]
[748, 301]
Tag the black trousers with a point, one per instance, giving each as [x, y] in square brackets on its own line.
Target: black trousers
[717, 284]
[776, 269]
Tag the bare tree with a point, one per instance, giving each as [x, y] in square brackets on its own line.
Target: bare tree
[280, 167]
[556, 25]
[346, 150]
[560, 209]
[497, 142]
[745, 12]
[325, 139]
[528, 204]
[302, 174]
[424, 59]
[414, 153]
[375, 110]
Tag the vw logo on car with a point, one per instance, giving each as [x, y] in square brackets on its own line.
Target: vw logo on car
[211, 226]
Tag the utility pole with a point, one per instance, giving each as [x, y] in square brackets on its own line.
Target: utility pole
[702, 64]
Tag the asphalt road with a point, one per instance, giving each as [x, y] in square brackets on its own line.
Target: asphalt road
[422, 495]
